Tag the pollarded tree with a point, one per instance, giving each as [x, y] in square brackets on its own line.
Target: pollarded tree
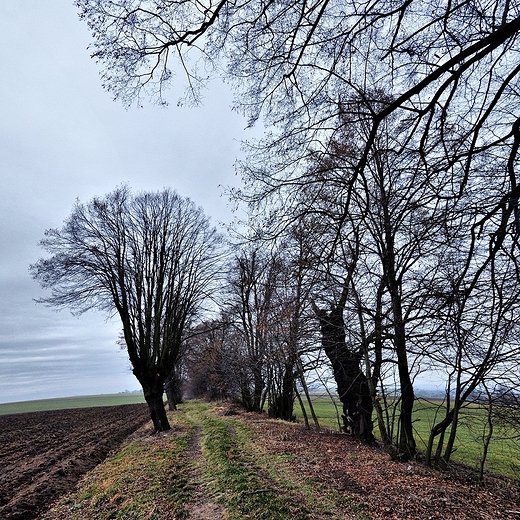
[150, 258]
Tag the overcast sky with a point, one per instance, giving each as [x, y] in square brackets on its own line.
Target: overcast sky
[61, 138]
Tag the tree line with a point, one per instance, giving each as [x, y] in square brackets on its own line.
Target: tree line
[383, 204]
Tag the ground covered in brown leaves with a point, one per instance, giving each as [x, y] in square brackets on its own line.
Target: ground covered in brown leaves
[390, 490]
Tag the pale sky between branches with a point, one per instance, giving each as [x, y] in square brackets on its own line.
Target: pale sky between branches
[62, 138]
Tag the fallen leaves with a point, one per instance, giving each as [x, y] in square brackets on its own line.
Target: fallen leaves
[390, 490]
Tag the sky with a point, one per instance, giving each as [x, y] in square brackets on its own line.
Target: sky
[62, 137]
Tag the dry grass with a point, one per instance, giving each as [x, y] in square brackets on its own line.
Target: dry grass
[216, 466]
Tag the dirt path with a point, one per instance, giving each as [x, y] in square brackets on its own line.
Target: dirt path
[202, 506]
[210, 466]
[217, 466]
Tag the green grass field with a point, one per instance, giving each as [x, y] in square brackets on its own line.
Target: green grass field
[504, 452]
[65, 403]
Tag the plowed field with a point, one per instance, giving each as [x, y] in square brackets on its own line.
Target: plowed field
[43, 454]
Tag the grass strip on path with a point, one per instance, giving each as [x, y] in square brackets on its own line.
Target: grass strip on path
[209, 466]
[238, 478]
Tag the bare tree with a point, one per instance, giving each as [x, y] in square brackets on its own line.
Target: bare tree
[449, 72]
[149, 258]
[212, 361]
[376, 254]
[443, 77]
[251, 295]
[292, 324]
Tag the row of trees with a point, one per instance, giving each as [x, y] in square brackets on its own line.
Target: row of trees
[375, 307]
[385, 191]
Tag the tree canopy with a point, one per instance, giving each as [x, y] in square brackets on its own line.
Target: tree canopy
[447, 71]
[149, 258]
[451, 67]
[393, 140]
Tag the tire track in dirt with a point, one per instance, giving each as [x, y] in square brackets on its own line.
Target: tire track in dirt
[201, 506]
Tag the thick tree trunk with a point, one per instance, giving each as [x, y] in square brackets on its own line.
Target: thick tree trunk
[281, 404]
[352, 384]
[246, 398]
[153, 394]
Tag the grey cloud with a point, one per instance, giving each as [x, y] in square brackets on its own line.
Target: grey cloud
[62, 137]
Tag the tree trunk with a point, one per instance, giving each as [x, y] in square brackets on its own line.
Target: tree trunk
[486, 436]
[302, 408]
[173, 389]
[451, 439]
[281, 403]
[352, 385]
[259, 386]
[372, 376]
[306, 391]
[406, 442]
[153, 394]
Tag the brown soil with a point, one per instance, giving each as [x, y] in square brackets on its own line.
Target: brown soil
[44, 454]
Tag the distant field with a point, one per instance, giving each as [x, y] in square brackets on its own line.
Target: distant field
[503, 457]
[64, 403]
[504, 452]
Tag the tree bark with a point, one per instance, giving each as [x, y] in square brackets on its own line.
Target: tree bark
[352, 385]
[153, 394]
[173, 389]
[259, 386]
[281, 403]
[406, 442]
